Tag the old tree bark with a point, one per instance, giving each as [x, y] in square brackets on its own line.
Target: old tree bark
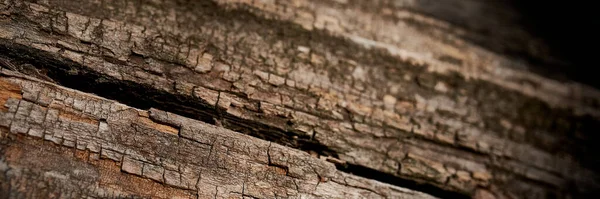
[282, 99]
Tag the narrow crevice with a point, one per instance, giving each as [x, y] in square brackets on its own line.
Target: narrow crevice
[366, 172]
[73, 75]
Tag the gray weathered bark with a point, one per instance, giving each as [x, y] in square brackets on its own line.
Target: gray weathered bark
[389, 94]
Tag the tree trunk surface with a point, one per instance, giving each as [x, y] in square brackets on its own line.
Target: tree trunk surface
[285, 99]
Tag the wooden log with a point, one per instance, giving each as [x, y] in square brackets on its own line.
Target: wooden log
[417, 106]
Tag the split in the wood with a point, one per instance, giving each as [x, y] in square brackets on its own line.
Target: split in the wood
[276, 81]
[202, 158]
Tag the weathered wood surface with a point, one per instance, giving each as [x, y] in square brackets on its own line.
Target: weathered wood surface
[388, 90]
[58, 142]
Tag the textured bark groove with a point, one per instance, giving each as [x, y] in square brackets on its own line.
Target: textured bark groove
[340, 99]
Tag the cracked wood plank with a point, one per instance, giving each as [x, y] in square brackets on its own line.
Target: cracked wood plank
[470, 125]
[106, 149]
[127, 152]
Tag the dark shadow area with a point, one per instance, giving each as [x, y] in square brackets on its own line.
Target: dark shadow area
[571, 30]
[405, 183]
[556, 38]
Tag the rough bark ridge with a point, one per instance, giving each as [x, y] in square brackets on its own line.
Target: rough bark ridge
[341, 100]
